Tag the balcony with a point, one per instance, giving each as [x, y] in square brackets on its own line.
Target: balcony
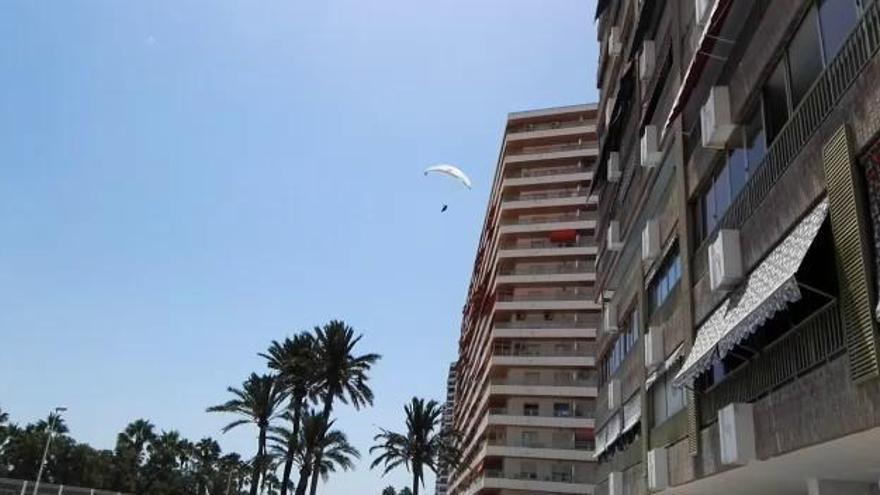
[552, 148]
[530, 483]
[561, 328]
[562, 451]
[549, 126]
[532, 349]
[580, 220]
[547, 176]
[549, 199]
[539, 248]
[558, 300]
[582, 388]
[846, 67]
[570, 272]
[576, 418]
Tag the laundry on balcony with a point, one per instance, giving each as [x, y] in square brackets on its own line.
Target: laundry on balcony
[766, 291]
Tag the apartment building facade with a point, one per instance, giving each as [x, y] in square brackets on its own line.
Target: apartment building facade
[526, 378]
[738, 232]
[441, 485]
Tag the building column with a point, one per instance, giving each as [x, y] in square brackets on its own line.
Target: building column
[835, 487]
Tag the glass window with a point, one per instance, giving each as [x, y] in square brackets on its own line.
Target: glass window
[667, 398]
[530, 409]
[804, 56]
[665, 279]
[775, 95]
[722, 192]
[737, 165]
[837, 17]
[532, 377]
[756, 146]
[528, 470]
[561, 410]
[529, 438]
[658, 396]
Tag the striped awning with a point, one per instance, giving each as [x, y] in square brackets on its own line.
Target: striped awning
[768, 289]
[665, 366]
[632, 412]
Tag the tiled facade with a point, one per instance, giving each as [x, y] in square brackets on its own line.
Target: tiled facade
[526, 377]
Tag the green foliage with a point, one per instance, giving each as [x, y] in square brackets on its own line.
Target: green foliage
[143, 462]
[424, 445]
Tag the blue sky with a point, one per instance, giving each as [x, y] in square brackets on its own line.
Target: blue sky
[181, 182]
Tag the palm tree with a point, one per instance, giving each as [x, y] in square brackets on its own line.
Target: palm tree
[425, 444]
[257, 401]
[389, 490]
[131, 450]
[294, 361]
[341, 374]
[319, 441]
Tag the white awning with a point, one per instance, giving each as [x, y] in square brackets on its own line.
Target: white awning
[601, 442]
[768, 289]
[632, 412]
[665, 366]
[613, 429]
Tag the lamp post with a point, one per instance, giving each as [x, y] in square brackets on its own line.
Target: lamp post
[51, 428]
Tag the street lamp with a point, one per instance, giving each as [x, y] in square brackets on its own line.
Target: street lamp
[56, 417]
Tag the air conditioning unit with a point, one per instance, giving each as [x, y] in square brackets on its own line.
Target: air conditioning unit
[716, 122]
[701, 8]
[658, 469]
[654, 347]
[609, 318]
[613, 237]
[615, 483]
[613, 170]
[725, 261]
[736, 427]
[647, 61]
[650, 149]
[614, 395]
[651, 240]
[615, 46]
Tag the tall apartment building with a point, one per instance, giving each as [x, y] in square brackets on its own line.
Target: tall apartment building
[526, 383]
[442, 484]
[739, 229]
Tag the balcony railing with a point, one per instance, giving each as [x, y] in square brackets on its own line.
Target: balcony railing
[531, 196]
[589, 381]
[546, 244]
[583, 294]
[558, 478]
[545, 172]
[547, 126]
[583, 349]
[548, 269]
[577, 412]
[569, 445]
[554, 323]
[816, 340]
[565, 217]
[825, 93]
[552, 148]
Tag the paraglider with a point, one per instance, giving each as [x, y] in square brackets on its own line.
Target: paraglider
[450, 171]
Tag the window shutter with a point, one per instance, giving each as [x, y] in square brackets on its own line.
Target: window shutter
[848, 214]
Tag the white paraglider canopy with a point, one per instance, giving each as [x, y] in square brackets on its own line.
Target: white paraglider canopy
[451, 171]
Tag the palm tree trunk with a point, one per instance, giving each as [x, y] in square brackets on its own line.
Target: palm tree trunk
[303, 484]
[316, 467]
[415, 487]
[258, 461]
[296, 404]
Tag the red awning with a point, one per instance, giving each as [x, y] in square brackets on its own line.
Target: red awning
[708, 38]
[569, 235]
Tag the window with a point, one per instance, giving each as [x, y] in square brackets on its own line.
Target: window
[804, 56]
[532, 377]
[623, 344]
[530, 438]
[667, 398]
[563, 378]
[562, 410]
[528, 470]
[530, 409]
[748, 148]
[837, 18]
[665, 280]
[816, 42]
[562, 439]
[561, 473]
